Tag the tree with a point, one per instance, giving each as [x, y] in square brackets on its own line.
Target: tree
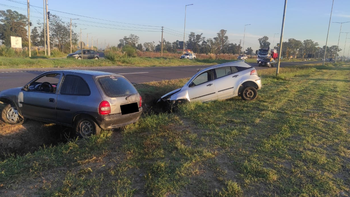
[264, 42]
[309, 48]
[249, 51]
[35, 37]
[121, 43]
[60, 32]
[194, 42]
[149, 46]
[132, 40]
[139, 47]
[294, 46]
[12, 23]
[221, 40]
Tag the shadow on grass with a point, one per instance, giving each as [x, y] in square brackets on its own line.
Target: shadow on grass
[38, 57]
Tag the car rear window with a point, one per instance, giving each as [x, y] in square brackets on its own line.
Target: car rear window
[114, 86]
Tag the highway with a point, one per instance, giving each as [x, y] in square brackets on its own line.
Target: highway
[10, 78]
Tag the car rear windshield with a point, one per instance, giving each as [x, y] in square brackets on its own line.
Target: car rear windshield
[114, 86]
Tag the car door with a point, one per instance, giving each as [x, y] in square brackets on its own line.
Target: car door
[202, 87]
[224, 83]
[86, 54]
[73, 98]
[40, 104]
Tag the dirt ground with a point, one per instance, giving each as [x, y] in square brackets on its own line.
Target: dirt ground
[29, 137]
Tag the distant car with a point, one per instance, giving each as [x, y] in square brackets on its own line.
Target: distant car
[84, 100]
[87, 54]
[242, 57]
[218, 82]
[188, 56]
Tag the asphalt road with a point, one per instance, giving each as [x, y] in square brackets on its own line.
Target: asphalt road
[10, 78]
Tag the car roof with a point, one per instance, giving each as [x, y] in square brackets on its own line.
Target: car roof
[239, 63]
[85, 72]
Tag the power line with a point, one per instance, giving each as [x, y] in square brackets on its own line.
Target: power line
[86, 16]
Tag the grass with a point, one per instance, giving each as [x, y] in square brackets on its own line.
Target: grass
[292, 141]
[35, 62]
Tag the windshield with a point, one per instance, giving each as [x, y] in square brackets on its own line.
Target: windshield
[78, 51]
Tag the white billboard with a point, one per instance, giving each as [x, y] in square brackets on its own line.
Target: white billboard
[16, 42]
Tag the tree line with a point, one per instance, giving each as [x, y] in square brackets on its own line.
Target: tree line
[13, 23]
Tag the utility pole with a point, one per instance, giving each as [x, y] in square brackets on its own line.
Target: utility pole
[244, 37]
[161, 50]
[48, 29]
[29, 41]
[71, 46]
[329, 25]
[92, 43]
[346, 37]
[281, 39]
[44, 26]
[341, 24]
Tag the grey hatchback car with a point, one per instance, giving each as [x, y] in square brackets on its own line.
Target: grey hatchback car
[86, 54]
[85, 100]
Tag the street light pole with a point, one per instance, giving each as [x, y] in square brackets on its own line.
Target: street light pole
[244, 37]
[341, 23]
[281, 39]
[183, 45]
[71, 33]
[346, 37]
[81, 44]
[329, 25]
[274, 39]
[29, 40]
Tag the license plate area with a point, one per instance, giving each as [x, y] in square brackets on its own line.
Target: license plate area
[129, 108]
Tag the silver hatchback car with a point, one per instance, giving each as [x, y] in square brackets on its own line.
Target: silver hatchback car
[85, 100]
[218, 82]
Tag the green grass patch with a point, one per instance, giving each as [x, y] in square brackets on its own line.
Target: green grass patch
[293, 140]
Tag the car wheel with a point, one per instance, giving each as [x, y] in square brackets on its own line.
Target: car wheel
[96, 58]
[249, 93]
[85, 127]
[10, 115]
[79, 58]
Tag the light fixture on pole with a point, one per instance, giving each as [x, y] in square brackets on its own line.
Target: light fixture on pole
[341, 24]
[71, 33]
[244, 37]
[329, 25]
[183, 44]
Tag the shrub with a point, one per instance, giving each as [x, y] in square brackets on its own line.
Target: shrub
[129, 51]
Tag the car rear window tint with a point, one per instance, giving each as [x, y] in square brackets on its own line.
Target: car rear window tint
[75, 85]
[114, 86]
[242, 68]
[221, 72]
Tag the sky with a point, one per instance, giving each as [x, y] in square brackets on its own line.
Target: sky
[110, 20]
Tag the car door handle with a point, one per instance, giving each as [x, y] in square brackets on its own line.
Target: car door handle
[209, 84]
[234, 76]
[51, 100]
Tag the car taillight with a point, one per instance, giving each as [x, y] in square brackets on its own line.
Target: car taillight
[253, 72]
[104, 108]
[140, 103]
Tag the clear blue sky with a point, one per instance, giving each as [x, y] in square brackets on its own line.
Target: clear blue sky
[111, 20]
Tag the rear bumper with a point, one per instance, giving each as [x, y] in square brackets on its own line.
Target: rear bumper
[118, 120]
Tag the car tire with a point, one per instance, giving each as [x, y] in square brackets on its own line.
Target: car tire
[249, 93]
[85, 127]
[96, 58]
[79, 58]
[10, 115]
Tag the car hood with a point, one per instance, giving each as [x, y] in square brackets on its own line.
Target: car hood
[71, 54]
[10, 93]
[169, 94]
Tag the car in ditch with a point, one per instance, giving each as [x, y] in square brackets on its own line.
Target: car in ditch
[218, 82]
[85, 100]
[86, 54]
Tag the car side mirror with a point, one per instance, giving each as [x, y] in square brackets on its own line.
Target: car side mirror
[191, 84]
[25, 88]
